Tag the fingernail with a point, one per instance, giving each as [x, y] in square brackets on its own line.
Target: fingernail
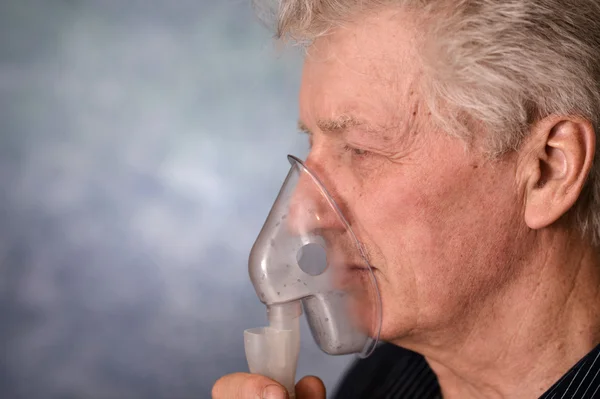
[273, 392]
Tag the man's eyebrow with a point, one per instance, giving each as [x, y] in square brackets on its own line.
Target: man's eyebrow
[335, 125]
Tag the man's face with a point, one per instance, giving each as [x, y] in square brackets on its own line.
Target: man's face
[442, 227]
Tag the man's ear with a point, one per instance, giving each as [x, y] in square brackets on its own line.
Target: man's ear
[556, 164]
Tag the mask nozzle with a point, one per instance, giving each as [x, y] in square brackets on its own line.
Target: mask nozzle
[273, 351]
[307, 258]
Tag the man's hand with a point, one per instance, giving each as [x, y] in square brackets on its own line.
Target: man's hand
[254, 386]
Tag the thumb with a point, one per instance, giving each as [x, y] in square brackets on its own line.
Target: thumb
[310, 387]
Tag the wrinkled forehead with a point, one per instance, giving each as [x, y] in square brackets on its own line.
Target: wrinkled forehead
[369, 64]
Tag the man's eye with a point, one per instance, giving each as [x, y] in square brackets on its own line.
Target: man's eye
[356, 151]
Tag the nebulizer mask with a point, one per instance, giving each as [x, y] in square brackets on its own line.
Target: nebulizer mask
[307, 260]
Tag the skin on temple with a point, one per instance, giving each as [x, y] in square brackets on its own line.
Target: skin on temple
[479, 267]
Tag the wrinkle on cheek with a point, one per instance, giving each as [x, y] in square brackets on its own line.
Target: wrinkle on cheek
[368, 173]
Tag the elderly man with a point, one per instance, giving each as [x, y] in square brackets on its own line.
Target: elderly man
[460, 135]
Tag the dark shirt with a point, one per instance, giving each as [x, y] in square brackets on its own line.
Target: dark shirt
[392, 372]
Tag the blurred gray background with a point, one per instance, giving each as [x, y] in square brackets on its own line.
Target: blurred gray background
[142, 144]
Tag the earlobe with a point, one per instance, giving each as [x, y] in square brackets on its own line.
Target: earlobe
[560, 157]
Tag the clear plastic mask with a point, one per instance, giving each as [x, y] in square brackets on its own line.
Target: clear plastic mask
[307, 253]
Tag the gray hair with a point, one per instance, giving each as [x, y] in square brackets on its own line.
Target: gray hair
[500, 64]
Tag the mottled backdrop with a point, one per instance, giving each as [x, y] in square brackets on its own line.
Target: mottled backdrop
[142, 143]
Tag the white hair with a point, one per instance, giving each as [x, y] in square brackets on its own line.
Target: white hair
[500, 64]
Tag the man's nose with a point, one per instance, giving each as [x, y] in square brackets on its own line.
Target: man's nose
[311, 206]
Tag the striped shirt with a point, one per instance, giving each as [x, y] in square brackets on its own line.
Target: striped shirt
[392, 372]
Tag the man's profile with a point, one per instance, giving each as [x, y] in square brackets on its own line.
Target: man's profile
[461, 136]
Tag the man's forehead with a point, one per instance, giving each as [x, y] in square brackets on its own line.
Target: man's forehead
[335, 108]
[384, 38]
[360, 62]
[362, 76]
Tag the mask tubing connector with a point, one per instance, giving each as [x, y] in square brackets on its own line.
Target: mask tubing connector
[273, 351]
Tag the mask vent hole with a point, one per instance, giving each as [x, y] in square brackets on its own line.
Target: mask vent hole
[312, 259]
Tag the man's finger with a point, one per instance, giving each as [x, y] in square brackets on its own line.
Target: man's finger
[247, 386]
[310, 387]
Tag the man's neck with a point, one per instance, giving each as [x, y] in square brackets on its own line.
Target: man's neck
[518, 343]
